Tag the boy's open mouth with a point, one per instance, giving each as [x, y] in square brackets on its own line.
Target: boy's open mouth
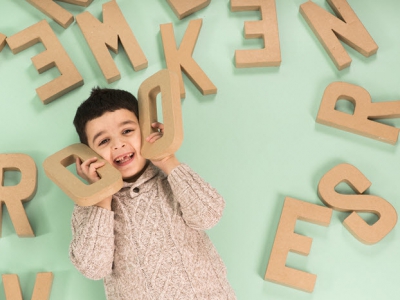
[123, 158]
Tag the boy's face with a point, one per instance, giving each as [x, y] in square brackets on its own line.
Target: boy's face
[116, 137]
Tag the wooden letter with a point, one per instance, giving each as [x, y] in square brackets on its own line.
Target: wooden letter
[41, 291]
[267, 29]
[56, 12]
[167, 83]
[100, 35]
[2, 41]
[329, 29]
[182, 58]
[12, 289]
[183, 8]
[365, 233]
[82, 194]
[54, 55]
[13, 196]
[43, 284]
[361, 122]
[286, 240]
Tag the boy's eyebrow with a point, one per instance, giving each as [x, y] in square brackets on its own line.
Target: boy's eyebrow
[97, 135]
[121, 124]
[127, 122]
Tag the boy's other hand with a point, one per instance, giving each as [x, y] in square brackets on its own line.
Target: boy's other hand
[156, 135]
[88, 169]
[167, 164]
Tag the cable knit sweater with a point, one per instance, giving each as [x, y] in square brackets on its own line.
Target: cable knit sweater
[152, 244]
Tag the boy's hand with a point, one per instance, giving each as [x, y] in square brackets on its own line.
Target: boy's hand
[167, 163]
[156, 135]
[87, 169]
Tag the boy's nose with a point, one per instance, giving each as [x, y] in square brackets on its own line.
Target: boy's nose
[118, 145]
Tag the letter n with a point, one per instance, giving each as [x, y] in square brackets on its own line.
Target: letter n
[329, 29]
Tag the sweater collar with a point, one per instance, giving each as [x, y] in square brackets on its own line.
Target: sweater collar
[150, 172]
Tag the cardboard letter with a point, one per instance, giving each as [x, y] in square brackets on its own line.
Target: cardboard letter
[13, 196]
[365, 233]
[286, 240]
[167, 83]
[181, 58]
[267, 29]
[82, 194]
[12, 289]
[41, 290]
[361, 122]
[43, 284]
[55, 55]
[329, 29]
[100, 35]
[2, 41]
[56, 12]
[183, 8]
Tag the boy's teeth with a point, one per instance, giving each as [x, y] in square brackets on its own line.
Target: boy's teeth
[123, 159]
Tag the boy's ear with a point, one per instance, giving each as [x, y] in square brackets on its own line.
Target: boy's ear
[82, 194]
[166, 83]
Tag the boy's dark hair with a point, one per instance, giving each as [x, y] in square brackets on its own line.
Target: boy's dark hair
[100, 101]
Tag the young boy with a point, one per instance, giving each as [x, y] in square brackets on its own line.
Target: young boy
[147, 241]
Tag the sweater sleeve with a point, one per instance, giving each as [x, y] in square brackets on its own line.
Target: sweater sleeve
[92, 246]
[201, 205]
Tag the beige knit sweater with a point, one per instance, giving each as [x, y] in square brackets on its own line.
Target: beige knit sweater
[152, 245]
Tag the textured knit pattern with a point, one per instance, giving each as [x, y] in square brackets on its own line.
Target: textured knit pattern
[152, 245]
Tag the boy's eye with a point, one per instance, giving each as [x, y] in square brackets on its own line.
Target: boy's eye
[103, 142]
[126, 131]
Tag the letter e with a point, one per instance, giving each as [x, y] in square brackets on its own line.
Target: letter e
[286, 240]
[55, 55]
[267, 29]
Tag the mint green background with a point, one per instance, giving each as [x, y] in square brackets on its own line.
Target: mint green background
[256, 141]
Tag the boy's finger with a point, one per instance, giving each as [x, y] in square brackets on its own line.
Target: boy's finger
[78, 165]
[158, 125]
[89, 161]
[97, 165]
[154, 137]
[92, 172]
[151, 136]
